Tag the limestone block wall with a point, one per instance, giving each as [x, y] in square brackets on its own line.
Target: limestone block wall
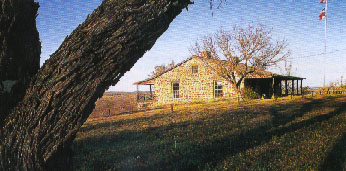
[192, 86]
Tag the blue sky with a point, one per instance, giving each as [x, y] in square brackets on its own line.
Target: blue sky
[294, 20]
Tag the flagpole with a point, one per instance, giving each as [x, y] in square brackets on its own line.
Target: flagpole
[325, 45]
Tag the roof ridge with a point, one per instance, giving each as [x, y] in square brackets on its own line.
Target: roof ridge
[258, 69]
[151, 78]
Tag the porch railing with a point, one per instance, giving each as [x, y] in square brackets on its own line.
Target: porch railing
[145, 97]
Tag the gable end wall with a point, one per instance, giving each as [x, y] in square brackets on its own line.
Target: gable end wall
[192, 86]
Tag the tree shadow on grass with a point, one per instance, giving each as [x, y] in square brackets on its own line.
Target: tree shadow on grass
[116, 124]
[136, 148]
[336, 159]
[282, 119]
[136, 111]
[218, 150]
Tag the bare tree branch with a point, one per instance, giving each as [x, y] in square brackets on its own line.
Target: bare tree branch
[236, 54]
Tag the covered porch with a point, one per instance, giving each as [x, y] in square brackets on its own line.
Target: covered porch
[275, 86]
[145, 95]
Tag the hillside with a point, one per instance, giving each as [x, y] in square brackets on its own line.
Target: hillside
[297, 134]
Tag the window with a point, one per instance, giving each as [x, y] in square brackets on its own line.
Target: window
[194, 69]
[218, 89]
[175, 87]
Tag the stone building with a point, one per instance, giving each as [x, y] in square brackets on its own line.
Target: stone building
[196, 80]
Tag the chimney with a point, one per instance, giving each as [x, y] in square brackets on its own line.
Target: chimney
[206, 54]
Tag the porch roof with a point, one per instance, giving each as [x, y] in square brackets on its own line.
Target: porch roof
[281, 77]
[276, 76]
[149, 81]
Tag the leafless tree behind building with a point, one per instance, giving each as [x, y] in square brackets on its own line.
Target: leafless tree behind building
[236, 53]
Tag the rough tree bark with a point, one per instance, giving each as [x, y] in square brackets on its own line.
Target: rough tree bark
[20, 50]
[62, 94]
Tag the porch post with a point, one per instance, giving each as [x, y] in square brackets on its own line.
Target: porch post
[292, 93]
[151, 93]
[297, 88]
[273, 86]
[280, 87]
[137, 93]
[301, 86]
[286, 89]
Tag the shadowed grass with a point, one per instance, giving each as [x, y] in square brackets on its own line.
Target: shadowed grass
[336, 159]
[297, 134]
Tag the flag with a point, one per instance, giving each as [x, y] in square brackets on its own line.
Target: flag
[323, 1]
[322, 14]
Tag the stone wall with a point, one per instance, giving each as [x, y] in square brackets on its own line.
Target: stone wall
[192, 86]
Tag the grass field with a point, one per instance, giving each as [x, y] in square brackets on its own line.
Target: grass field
[297, 134]
[113, 103]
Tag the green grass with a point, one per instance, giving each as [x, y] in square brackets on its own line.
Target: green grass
[297, 134]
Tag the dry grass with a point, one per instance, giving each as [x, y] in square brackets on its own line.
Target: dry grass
[298, 134]
[113, 103]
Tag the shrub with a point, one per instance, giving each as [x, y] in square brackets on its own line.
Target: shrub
[249, 93]
[306, 90]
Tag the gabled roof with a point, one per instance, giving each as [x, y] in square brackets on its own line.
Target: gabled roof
[150, 80]
[260, 73]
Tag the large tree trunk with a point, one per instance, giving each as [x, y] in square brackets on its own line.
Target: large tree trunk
[20, 50]
[62, 94]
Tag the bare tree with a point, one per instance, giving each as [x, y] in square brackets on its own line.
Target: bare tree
[237, 53]
[287, 68]
[287, 71]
